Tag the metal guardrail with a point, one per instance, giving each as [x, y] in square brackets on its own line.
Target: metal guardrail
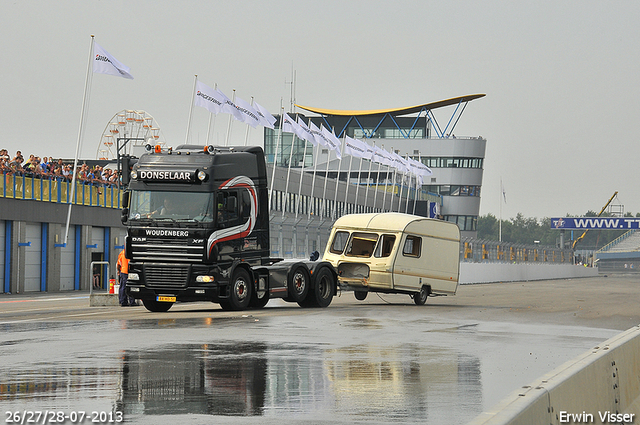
[478, 250]
[38, 189]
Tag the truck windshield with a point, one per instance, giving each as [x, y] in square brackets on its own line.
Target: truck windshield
[171, 206]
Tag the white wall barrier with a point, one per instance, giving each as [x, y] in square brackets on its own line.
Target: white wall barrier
[514, 272]
[601, 386]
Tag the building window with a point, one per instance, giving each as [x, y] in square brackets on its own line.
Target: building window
[453, 190]
[450, 162]
[464, 222]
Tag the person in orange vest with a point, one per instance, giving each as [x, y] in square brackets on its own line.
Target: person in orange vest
[123, 272]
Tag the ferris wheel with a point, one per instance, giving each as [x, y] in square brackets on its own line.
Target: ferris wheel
[129, 131]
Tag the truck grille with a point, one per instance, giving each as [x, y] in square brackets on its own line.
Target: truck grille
[175, 276]
[167, 251]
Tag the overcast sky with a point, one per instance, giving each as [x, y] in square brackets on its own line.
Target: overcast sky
[560, 78]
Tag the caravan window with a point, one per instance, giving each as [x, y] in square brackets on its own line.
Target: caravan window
[361, 244]
[412, 246]
[385, 246]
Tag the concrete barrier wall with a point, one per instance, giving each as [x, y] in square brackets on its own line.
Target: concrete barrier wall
[599, 387]
[510, 272]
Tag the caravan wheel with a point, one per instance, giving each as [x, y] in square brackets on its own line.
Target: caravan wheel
[420, 298]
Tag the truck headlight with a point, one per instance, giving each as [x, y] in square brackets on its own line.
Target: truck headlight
[202, 176]
[134, 175]
[133, 276]
[204, 279]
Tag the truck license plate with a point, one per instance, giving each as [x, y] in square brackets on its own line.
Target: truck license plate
[166, 299]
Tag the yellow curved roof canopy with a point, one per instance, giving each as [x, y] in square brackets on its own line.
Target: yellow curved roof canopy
[395, 111]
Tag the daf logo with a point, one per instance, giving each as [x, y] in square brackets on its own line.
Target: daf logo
[134, 239]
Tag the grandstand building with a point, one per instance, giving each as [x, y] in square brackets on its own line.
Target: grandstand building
[456, 161]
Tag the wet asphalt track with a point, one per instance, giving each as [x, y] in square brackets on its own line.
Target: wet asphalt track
[384, 360]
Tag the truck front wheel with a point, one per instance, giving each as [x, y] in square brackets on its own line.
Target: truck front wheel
[239, 291]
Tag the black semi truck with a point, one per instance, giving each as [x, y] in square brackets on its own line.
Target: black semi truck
[197, 222]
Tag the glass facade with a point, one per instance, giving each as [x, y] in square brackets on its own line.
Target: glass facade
[285, 153]
[450, 162]
[452, 190]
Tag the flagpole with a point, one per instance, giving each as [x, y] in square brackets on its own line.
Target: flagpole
[211, 118]
[346, 192]
[193, 93]
[326, 177]
[85, 100]
[358, 184]
[366, 192]
[275, 154]
[286, 187]
[384, 197]
[415, 201]
[500, 222]
[304, 158]
[375, 195]
[406, 205]
[393, 189]
[335, 198]
[246, 136]
[313, 182]
[233, 99]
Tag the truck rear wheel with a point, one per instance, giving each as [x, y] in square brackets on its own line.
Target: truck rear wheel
[156, 306]
[420, 298]
[240, 290]
[299, 284]
[323, 290]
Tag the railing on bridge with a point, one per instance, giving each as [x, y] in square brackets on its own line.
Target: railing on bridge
[38, 189]
[478, 250]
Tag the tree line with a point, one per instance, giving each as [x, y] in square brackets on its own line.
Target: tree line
[529, 230]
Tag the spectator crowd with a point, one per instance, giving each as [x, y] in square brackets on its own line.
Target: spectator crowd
[50, 169]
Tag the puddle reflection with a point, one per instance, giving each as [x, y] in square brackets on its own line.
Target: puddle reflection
[359, 382]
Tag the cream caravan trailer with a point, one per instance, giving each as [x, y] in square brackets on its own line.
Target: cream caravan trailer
[395, 253]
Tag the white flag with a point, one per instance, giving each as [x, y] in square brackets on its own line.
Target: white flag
[317, 134]
[266, 119]
[104, 63]
[399, 163]
[290, 126]
[334, 142]
[249, 113]
[382, 156]
[209, 98]
[229, 107]
[355, 147]
[309, 136]
[419, 169]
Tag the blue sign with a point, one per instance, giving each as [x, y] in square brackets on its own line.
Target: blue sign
[611, 223]
[434, 210]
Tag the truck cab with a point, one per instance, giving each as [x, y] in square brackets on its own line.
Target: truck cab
[198, 230]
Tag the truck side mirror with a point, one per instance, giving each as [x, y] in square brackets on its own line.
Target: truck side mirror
[125, 206]
[125, 199]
